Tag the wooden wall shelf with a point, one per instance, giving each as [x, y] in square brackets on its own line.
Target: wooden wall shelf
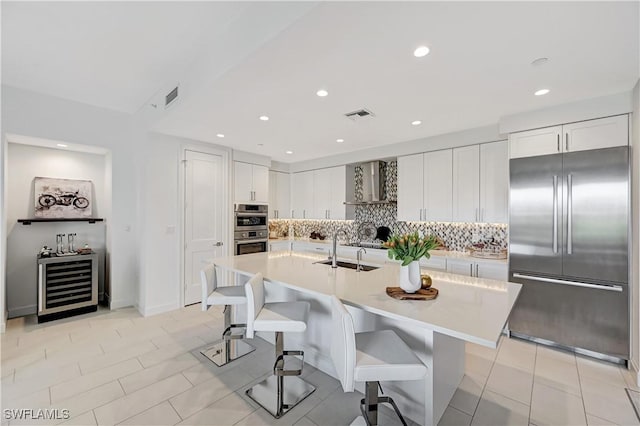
[78, 219]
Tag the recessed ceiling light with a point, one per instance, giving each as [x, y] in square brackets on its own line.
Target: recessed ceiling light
[541, 92]
[61, 145]
[416, 123]
[322, 93]
[220, 135]
[288, 152]
[339, 140]
[421, 51]
[264, 118]
[540, 61]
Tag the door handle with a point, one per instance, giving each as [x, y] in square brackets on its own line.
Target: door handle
[571, 283]
[569, 214]
[555, 214]
[219, 244]
[41, 294]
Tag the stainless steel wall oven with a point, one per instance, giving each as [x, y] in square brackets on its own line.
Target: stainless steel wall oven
[251, 231]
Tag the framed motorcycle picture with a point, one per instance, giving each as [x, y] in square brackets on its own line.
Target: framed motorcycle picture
[62, 198]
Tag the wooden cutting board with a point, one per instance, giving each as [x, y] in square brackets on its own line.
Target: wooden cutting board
[422, 294]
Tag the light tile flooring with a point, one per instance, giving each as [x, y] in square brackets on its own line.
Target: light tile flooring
[119, 368]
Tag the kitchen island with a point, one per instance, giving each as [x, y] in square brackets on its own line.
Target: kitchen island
[466, 310]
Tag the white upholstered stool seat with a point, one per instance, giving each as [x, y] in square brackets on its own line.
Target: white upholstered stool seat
[370, 357]
[231, 347]
[282, 391]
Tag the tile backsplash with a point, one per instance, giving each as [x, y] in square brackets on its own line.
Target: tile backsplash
[455, 236]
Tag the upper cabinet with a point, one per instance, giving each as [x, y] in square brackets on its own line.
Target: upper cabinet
[494, 182]
[466, 185]
[251, 183]
[581, 136]
[425, 186]
[279, 195]
[319, 194]
[302, 195]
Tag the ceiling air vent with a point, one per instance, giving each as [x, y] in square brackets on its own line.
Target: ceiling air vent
[359, 114]
[170, 97]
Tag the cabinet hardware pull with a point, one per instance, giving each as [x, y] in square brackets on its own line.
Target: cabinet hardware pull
[471, 269]
[558, 138]
[569, 214]
[477, 267]
[566, 142]
[571, 283]
[555, 214]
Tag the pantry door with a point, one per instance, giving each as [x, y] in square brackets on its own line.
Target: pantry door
[203, 218]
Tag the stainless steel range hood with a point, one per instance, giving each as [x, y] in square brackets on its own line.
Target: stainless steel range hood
[373, 179]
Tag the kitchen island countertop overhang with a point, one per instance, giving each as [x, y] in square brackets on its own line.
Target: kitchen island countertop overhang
[470, 309]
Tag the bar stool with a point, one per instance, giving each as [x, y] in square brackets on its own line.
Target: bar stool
[370, 357]
[282, 391]
[231, 347]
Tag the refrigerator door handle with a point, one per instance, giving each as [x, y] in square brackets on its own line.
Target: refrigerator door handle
[571, 283]
[569, 215]
[555, 214]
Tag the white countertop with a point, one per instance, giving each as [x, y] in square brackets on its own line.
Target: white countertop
[470, 309]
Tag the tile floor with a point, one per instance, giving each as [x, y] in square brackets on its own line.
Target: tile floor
[119, 368]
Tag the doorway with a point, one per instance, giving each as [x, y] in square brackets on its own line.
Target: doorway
[205, 205]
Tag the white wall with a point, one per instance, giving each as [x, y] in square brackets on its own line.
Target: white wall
[41, 116]
[635, 224]
[3, 232]
[24, 163]
[160, 239]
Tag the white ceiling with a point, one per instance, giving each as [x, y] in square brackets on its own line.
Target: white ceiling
[236, 68]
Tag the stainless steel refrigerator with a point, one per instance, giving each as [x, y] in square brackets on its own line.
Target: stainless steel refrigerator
[569, 247]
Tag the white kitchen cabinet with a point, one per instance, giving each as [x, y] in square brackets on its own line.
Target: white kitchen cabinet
[411, 187]
[535, 142]
[466, 187]
[302, 195]
[580, 136]
[594, 134]
[279, 245]
[494, 182]
[319, 194]
[491, 269]
[279, 195]
[251, 183]
[438, 186]
[425, 186]
[311, 247]
[438, 263]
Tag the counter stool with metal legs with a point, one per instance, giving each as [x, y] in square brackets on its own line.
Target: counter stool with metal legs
[231, 347]
[370, 357]
[282, 391]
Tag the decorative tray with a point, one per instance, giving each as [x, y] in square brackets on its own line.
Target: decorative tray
[422, 294]
[490, 252]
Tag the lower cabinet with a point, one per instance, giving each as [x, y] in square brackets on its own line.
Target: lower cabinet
[279, 245]
[437, 263]
[310, 247]
[491, 269]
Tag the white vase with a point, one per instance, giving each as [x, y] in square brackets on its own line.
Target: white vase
[410, 277]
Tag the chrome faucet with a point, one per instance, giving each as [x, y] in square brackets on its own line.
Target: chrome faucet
[334, 255]
[359, 257]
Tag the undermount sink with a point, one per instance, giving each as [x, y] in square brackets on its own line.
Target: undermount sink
[350, 265]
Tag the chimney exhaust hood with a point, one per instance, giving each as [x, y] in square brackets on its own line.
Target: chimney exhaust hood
[373, 179]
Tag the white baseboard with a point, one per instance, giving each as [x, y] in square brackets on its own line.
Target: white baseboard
[160, 309]
[633, 367]
[117, 304]
[22, 311]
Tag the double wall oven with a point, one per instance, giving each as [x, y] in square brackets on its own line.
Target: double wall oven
[251, 231]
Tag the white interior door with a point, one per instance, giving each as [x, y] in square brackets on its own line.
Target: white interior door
[203, 218]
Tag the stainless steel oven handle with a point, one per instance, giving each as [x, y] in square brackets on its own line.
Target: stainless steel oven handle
[247, 214]
[571, 283]
[555, 214]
